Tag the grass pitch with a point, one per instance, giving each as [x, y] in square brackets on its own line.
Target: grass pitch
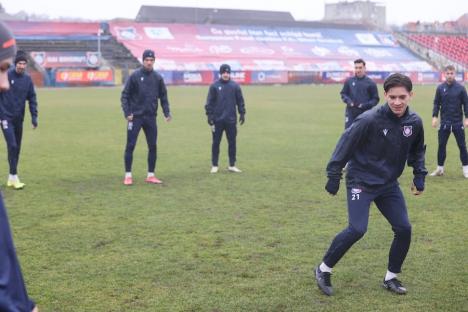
[224, 242]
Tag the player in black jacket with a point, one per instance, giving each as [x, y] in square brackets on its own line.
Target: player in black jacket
[13, 294]
[451, 100]
[359, 93]
[224, 97]
[377, 146]
[139, 100]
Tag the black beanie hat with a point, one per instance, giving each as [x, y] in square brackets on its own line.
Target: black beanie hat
[21, 56]
[7, 43]
[225, 68]
[148, 53]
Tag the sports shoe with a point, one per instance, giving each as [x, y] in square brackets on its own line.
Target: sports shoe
[465, 171]
[323, 281]
[153, 180]
[437, 173]
[214, 169]
[395, 286]
[17, 185]
[128, 181]
[234, 169]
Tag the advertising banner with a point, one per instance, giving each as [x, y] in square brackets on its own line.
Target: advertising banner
[66, 59]
[84, 76]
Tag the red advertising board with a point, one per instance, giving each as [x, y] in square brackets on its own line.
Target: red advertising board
[84, 76]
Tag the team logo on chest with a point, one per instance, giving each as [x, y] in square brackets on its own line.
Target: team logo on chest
[385, 131]
[407, 131]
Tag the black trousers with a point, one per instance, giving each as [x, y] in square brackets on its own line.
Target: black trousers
[13, 133]
[444, 134]
[148, 124]
[231, 133]
[392, 205]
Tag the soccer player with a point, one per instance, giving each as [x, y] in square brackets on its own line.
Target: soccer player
[451, 100]
[13, 294]
[21, 90]
[139, 100]
[224, 96]
[359, 93]
[377, 146]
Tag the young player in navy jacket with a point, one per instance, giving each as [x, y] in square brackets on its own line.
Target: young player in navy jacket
[377, 147]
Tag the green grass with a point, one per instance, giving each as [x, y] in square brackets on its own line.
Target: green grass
[222, 242]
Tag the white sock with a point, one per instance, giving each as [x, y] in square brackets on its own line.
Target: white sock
[441, 168]
[390, 275]
[128, 174]
[325, 268]
[465, 168]
[13, 177]
[150, 174]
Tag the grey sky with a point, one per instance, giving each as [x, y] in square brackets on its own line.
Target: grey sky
[398, 11]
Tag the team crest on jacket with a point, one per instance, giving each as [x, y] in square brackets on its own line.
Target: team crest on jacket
[407, 131]
[356, 191]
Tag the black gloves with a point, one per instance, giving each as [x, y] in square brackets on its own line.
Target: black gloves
[210, 120]
[242, 119]
[34, 122]
[419, 183]
[333, 185]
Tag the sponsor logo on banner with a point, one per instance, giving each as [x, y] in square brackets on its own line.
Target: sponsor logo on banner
[378, 53]
[257, 51]
[158, 33]
[188, 48]
[66, 59]
[347, 51]
[320, 51]
[84, 76]
[193, 78]
[367, 39]
[127, 33]
[407, 131]
[220, 49]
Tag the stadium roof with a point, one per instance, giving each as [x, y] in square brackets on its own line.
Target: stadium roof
[189, 15]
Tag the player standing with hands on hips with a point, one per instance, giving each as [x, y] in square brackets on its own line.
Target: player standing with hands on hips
[376, 147]
[224, 96]
[139, 100]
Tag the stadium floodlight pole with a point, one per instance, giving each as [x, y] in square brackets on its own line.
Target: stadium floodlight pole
[99, 42]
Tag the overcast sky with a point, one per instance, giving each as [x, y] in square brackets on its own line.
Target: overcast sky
[398, 11]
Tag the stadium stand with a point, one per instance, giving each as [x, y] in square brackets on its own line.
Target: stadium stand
[454, 47]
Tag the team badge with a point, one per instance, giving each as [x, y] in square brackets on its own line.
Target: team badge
[220, 88]
[407, 131]
[142, 78]
[385, 131]
[12, 82]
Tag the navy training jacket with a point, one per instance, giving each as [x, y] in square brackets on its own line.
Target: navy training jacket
[361, 91]
[377, 146]
[451, 100]
[141, 93]
[14, 100]
[223, 97]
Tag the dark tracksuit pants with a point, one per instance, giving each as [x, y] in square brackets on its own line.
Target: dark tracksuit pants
[148, 124]
[231, 133]
[392, 205]
[444, 134]
[13, 133]
[13, 294]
